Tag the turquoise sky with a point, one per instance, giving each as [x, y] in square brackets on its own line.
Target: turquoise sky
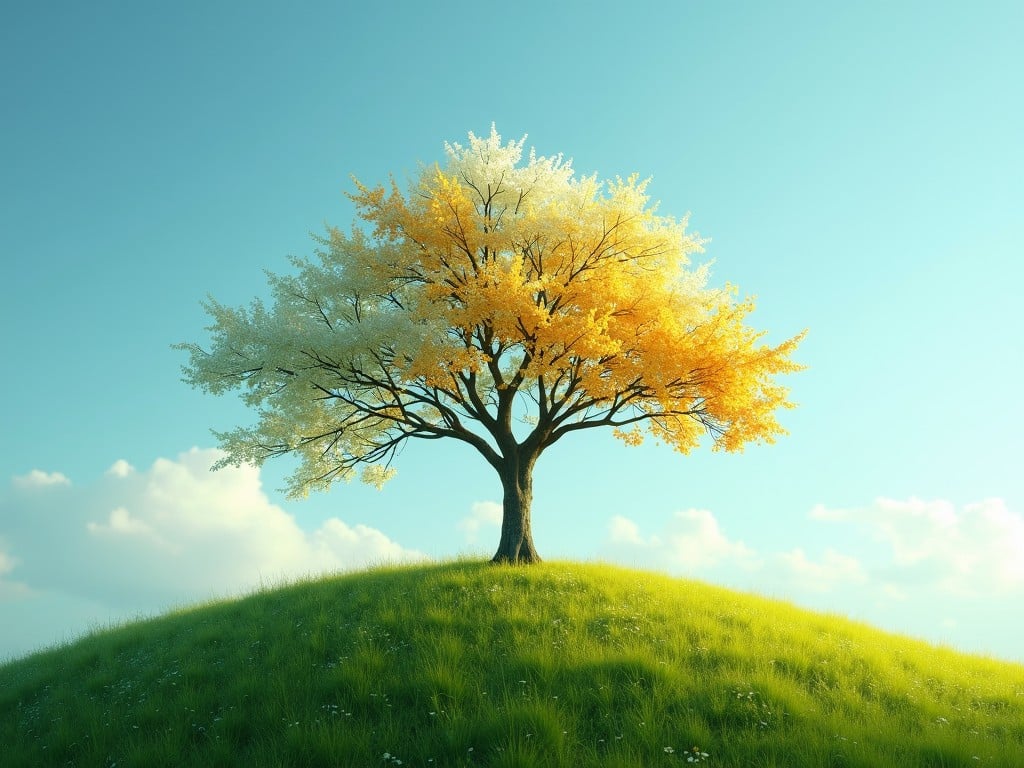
[859, 167]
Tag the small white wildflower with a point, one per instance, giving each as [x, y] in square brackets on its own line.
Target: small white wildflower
[669, 750]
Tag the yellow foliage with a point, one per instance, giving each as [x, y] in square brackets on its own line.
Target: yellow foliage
[586, 294]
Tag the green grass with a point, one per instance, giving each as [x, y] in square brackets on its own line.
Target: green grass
[468, 664]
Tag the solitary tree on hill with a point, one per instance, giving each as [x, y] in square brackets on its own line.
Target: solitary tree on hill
[500, 302]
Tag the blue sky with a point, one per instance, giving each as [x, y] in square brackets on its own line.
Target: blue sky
[858, 167]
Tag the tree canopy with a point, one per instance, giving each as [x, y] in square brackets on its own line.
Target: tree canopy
[501, 301]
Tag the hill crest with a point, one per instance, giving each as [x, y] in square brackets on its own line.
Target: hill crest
[467, 663]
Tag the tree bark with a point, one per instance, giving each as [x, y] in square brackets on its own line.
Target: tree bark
[516, 544]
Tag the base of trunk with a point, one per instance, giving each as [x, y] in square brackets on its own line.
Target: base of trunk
[516, 550]
[523, 558]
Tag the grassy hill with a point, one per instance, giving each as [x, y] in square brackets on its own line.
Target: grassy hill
[468, 664]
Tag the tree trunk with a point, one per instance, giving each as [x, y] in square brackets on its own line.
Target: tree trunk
[516, 544]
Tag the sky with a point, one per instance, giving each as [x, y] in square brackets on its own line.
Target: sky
[858, 167]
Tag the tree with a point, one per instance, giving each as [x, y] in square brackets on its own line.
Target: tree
[502, 303]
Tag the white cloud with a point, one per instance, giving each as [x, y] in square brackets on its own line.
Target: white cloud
[226, 528]
[691, 541]
[173, 533]
[929, 568]
[483, 513]
[121, 523]
[39, 479]
[339, 543]
[9, 590]
[622, 530]
[696, 539]
[905, 550]
[974, 550]
[832, 570]
[120, 468]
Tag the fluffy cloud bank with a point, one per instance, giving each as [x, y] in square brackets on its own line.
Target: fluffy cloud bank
[175, 532]
[691, 539]
[692, 542]
[974, 551]
[930, 568]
